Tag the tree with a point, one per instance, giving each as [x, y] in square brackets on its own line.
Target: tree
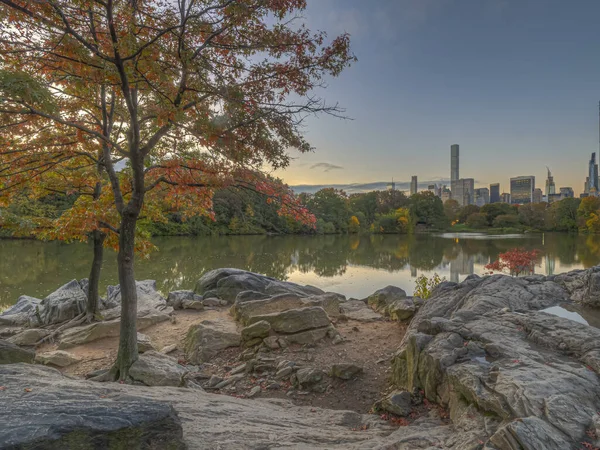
[563, 214]
[587, 207]
[506, 221]
[493, 210]
[517, 261]
[391, 200]
[205, 92]
[533, 215]
[354, 225]
[451, 209]
[466, 211]
[427, 208]
[331, 205]
[477, 220]
[365, 203]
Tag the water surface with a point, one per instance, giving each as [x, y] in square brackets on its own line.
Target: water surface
[352, 265]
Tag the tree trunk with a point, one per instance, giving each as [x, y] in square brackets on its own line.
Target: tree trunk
[94, 280]
[128, 350]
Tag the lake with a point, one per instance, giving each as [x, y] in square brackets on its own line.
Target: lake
[349, 264]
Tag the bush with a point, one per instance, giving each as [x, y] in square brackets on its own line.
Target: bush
[424, 286]
[477, 220]
[506, 221]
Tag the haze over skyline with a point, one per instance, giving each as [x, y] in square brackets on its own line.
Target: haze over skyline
[514, 82]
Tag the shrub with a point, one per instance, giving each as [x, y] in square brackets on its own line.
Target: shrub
[424, 286]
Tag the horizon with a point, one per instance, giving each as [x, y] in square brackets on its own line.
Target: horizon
[512, 82]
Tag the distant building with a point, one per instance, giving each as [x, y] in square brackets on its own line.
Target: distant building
[413, 185]
[505, 197]
[567, 192]
[464, 191]
[550, 186]
[538, 196]
[446, 195]
[521, 190]
[495, 193]
[554, 198]
[454, 166]
[391, 186]
[481, 197]
[592, 180]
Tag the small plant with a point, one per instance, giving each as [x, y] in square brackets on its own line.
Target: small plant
[517, 261]
[4, 308]
[424, 286]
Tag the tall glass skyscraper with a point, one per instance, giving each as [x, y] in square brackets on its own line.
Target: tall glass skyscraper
[454, 172]
[495, 193]
[592, 174]
[521, 190]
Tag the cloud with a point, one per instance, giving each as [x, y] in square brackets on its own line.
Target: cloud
[326, 167]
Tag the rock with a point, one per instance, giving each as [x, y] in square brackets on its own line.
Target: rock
[258, 329]
[380, 299]
[337, 340]
[405, 309]
[168, 349]
[29, 337]
[226, 284]
[21, 312]
[246, 309]
[57, 358]
[239, 369]
[272, 342]
[273, 386]
[308, 377]
[253, 392]
[176, 299]
[67, 302]
[193, 304]
[484, 350]
[284, 373]
[307, 337]
[211, 302]
[359, 311]
[295, 320]
[59, 413]
[157, 369]
[246, 296]
[99, 330]
[228, 381]
[214, 380]
[11, 353]
[398, 403]
[345, 371]
[149, 300]
[144, 343]
[206, 339]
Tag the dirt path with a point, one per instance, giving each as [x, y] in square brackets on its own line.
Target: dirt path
[369, 345]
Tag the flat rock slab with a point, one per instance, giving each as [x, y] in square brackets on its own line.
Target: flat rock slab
[41, 409]
[294, 320]
[11, 353]
[206, 339]
[157, 369]
[359, 311]
[58, 358]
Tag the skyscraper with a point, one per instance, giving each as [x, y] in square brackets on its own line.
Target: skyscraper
[413, 185]
[566, 192]
[538, 195]
[495, 193]
[454, 172]
[550, 186]
[592, 174]
[521, 190]
[481, 197]
[464, 191]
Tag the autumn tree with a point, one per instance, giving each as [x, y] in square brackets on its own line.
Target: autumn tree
[206, 93]
[516, 261]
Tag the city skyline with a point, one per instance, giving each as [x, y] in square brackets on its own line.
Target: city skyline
[508, 80]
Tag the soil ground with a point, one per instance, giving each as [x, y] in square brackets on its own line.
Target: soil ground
[370, 345]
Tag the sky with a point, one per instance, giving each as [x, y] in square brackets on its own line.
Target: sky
[516, 83]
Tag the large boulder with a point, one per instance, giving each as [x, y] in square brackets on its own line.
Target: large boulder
[226, 284]
[208, 338]
[20, 312]
[11, 353]
[404, 309]
[382, 298]
[359, 311]
[29, 337]
[58, 358]
[67, 302]
[484, 350]
[185, 300]
[583, 286]
[156, 369]
[148, 297]
[294, 320]
[41, 409]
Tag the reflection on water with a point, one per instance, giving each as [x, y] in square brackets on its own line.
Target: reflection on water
[566, 314]
[353, 265]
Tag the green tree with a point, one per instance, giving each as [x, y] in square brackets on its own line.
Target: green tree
[493, 210]
[533, 215]
[365, 203]
[391, 200]
[563, 214]
[507, 221]
[466, 211]
[331, 205]
[427, 208]
[451, 209]
[477, 220]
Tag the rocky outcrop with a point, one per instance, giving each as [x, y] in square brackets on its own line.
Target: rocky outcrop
[359, 311]
[21, 311]
[382, 298]
[294, 320]
[156, 369]
[404, 309]
[516, 377]
[58, 358]
[11, 353]
[185, 300]
[206, 339]
[29, 337]
[67, 302]
[144, 343]
[148, 298]
[583, 286]
[42, 409]
[226, 284]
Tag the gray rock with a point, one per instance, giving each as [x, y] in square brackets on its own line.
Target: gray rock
[168, 349]
[359, 311]
[398, 402]
[21, 312]
[197, 305]
[345, 371]
[382, 298]
[253, 392]
[272, 342]
[58, 358]
[214, 380]
[258, 329]
[308, 377]
[404, 309]
[284, 373]
[294, 320]
[148, 297]
[211, 302]
[229, 381]
[67, 302]
[11, 353]
[175, 299]
[144, 343]
[59, 413]
[157, 369]
[29, 337]
[206, 339]
[306, 337]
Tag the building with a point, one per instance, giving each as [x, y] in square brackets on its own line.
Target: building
[553, 198]
[566, 192]
[550, 186]
[464, 191]
[446, 195]
[521, 190]
[592, 180]
[538, 196]
[495, 193]
[481, 197]
[454, 167]
[391, 186]
[505, 197]
[413, 185]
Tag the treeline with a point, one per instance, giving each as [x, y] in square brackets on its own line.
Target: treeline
[244, 212]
